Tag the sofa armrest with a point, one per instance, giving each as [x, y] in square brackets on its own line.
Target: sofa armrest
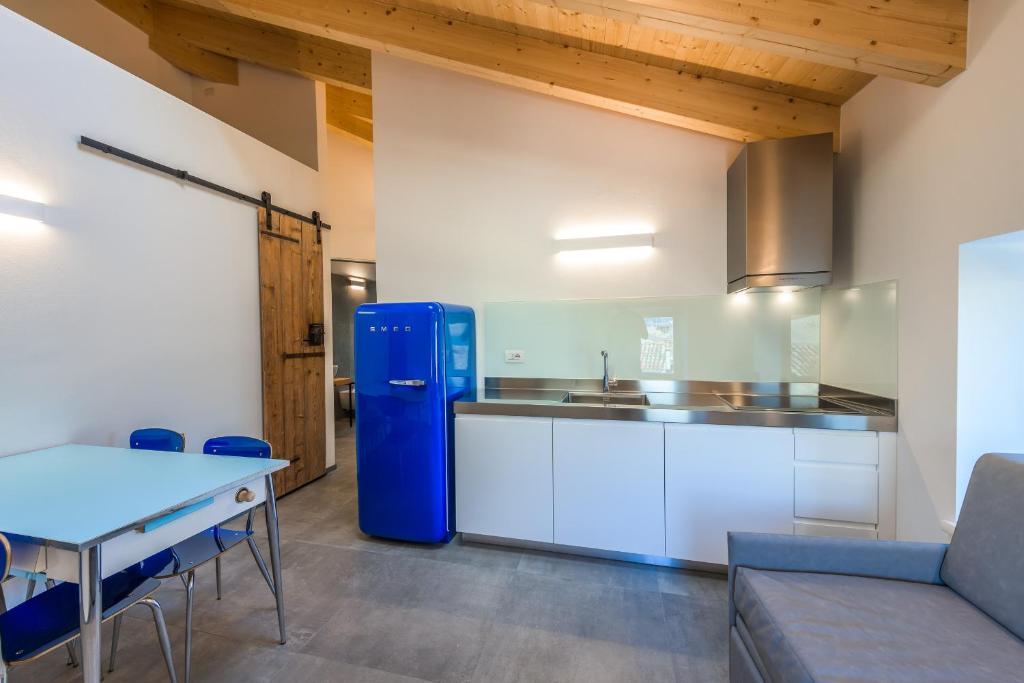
[899, 560]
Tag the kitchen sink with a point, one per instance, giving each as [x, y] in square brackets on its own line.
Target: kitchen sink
[610, 399]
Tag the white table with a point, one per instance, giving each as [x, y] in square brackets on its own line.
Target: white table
[94, 511]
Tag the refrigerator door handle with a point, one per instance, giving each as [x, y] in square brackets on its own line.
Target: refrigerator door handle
[407, 382]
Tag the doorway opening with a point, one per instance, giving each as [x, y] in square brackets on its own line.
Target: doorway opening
[353, 283]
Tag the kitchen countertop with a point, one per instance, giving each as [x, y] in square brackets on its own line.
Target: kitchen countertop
[685, 403]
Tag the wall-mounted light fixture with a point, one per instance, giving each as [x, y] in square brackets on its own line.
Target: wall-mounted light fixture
[22, 208]
[357, 282]
[605, 246]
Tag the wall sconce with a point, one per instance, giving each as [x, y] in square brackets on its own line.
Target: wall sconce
[22, 208]
[604, 242]
[604, 248]
[357, 283]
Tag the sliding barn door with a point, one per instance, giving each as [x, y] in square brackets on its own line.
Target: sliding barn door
[291, 308]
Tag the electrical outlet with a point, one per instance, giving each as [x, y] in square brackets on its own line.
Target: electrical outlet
[515, 356]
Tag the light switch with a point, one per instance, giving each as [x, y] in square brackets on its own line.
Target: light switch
[515, 356]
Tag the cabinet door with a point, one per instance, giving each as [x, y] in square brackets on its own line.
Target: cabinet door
[720, 479]
[609, 485]
[503, 476]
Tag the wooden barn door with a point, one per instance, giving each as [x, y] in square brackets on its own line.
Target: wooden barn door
[291, 305]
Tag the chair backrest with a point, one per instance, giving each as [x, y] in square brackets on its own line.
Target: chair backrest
[5, 558]
[985, 560]
[240, 446]
[157, 439]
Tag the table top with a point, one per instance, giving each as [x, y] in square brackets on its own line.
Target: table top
[77, 496]
[342, 381]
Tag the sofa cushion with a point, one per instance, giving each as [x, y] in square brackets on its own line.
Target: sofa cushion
[985, 560]
[818, 628]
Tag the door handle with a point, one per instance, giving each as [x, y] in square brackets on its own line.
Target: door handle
[315, 334]
[406, 382]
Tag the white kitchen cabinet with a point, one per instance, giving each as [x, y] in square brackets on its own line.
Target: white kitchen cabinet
[841, 493]
[837, 477]
[836, 446]
[720, 479]
[503, 481]
[609, 485]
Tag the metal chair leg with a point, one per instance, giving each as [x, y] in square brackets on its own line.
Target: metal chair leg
[70, 646]
[190, 583]
[216, 563]
[161, 633]
[31, 590]
[113, 642]
[261, 564]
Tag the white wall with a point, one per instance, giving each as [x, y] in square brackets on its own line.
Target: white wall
[348, 179]
[136, 304]
[474, 179]
[922, 170]
[990, 339]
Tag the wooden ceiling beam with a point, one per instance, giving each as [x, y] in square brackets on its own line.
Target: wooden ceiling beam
[349, 102]
[314, 57]
[656, 93]
[355, 125]
[913, 40]
[187, 57]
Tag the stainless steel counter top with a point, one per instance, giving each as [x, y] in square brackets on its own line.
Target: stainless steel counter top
[685, 403]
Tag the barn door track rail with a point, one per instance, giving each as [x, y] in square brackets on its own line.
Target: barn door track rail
[262, 201]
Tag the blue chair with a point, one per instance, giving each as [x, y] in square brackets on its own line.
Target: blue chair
[50, 620]
[186, 556]
[157, 439]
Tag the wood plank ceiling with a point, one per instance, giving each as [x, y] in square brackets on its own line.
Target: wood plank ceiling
[744, 70]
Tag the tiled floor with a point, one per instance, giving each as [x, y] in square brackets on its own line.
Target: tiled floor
[361, 609]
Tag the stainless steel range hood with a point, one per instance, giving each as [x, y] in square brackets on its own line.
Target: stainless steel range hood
[780, 214]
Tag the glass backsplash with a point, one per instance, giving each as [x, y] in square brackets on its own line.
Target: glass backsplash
[747, 337]
[846, 337]
[859, 341]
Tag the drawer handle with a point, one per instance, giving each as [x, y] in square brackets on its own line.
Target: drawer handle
[244, 495]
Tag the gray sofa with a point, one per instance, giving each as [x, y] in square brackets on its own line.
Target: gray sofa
[805, 609]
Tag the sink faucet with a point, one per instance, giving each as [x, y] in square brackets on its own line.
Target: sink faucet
[604, 379]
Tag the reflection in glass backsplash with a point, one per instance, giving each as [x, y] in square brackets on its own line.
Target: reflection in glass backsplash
[747, 337]
[859, 339]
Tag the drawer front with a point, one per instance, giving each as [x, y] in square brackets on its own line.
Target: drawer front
[851, 448]
[842, 493]
[834, 530]
[135, 546]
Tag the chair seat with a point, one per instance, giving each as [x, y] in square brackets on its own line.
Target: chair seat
[50, 619]
[830, 628]
[199, 549]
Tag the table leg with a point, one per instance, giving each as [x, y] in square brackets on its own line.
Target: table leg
[90, 592]
[275, 552]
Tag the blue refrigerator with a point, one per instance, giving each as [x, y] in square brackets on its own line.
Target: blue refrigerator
[412, 361]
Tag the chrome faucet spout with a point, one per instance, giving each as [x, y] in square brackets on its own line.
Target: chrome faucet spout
[604, 379]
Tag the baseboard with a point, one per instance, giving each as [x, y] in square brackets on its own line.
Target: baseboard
[635, 558]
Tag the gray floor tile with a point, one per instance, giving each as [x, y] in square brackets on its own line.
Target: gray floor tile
[421, 643]
[697, 585]
[590, 570]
